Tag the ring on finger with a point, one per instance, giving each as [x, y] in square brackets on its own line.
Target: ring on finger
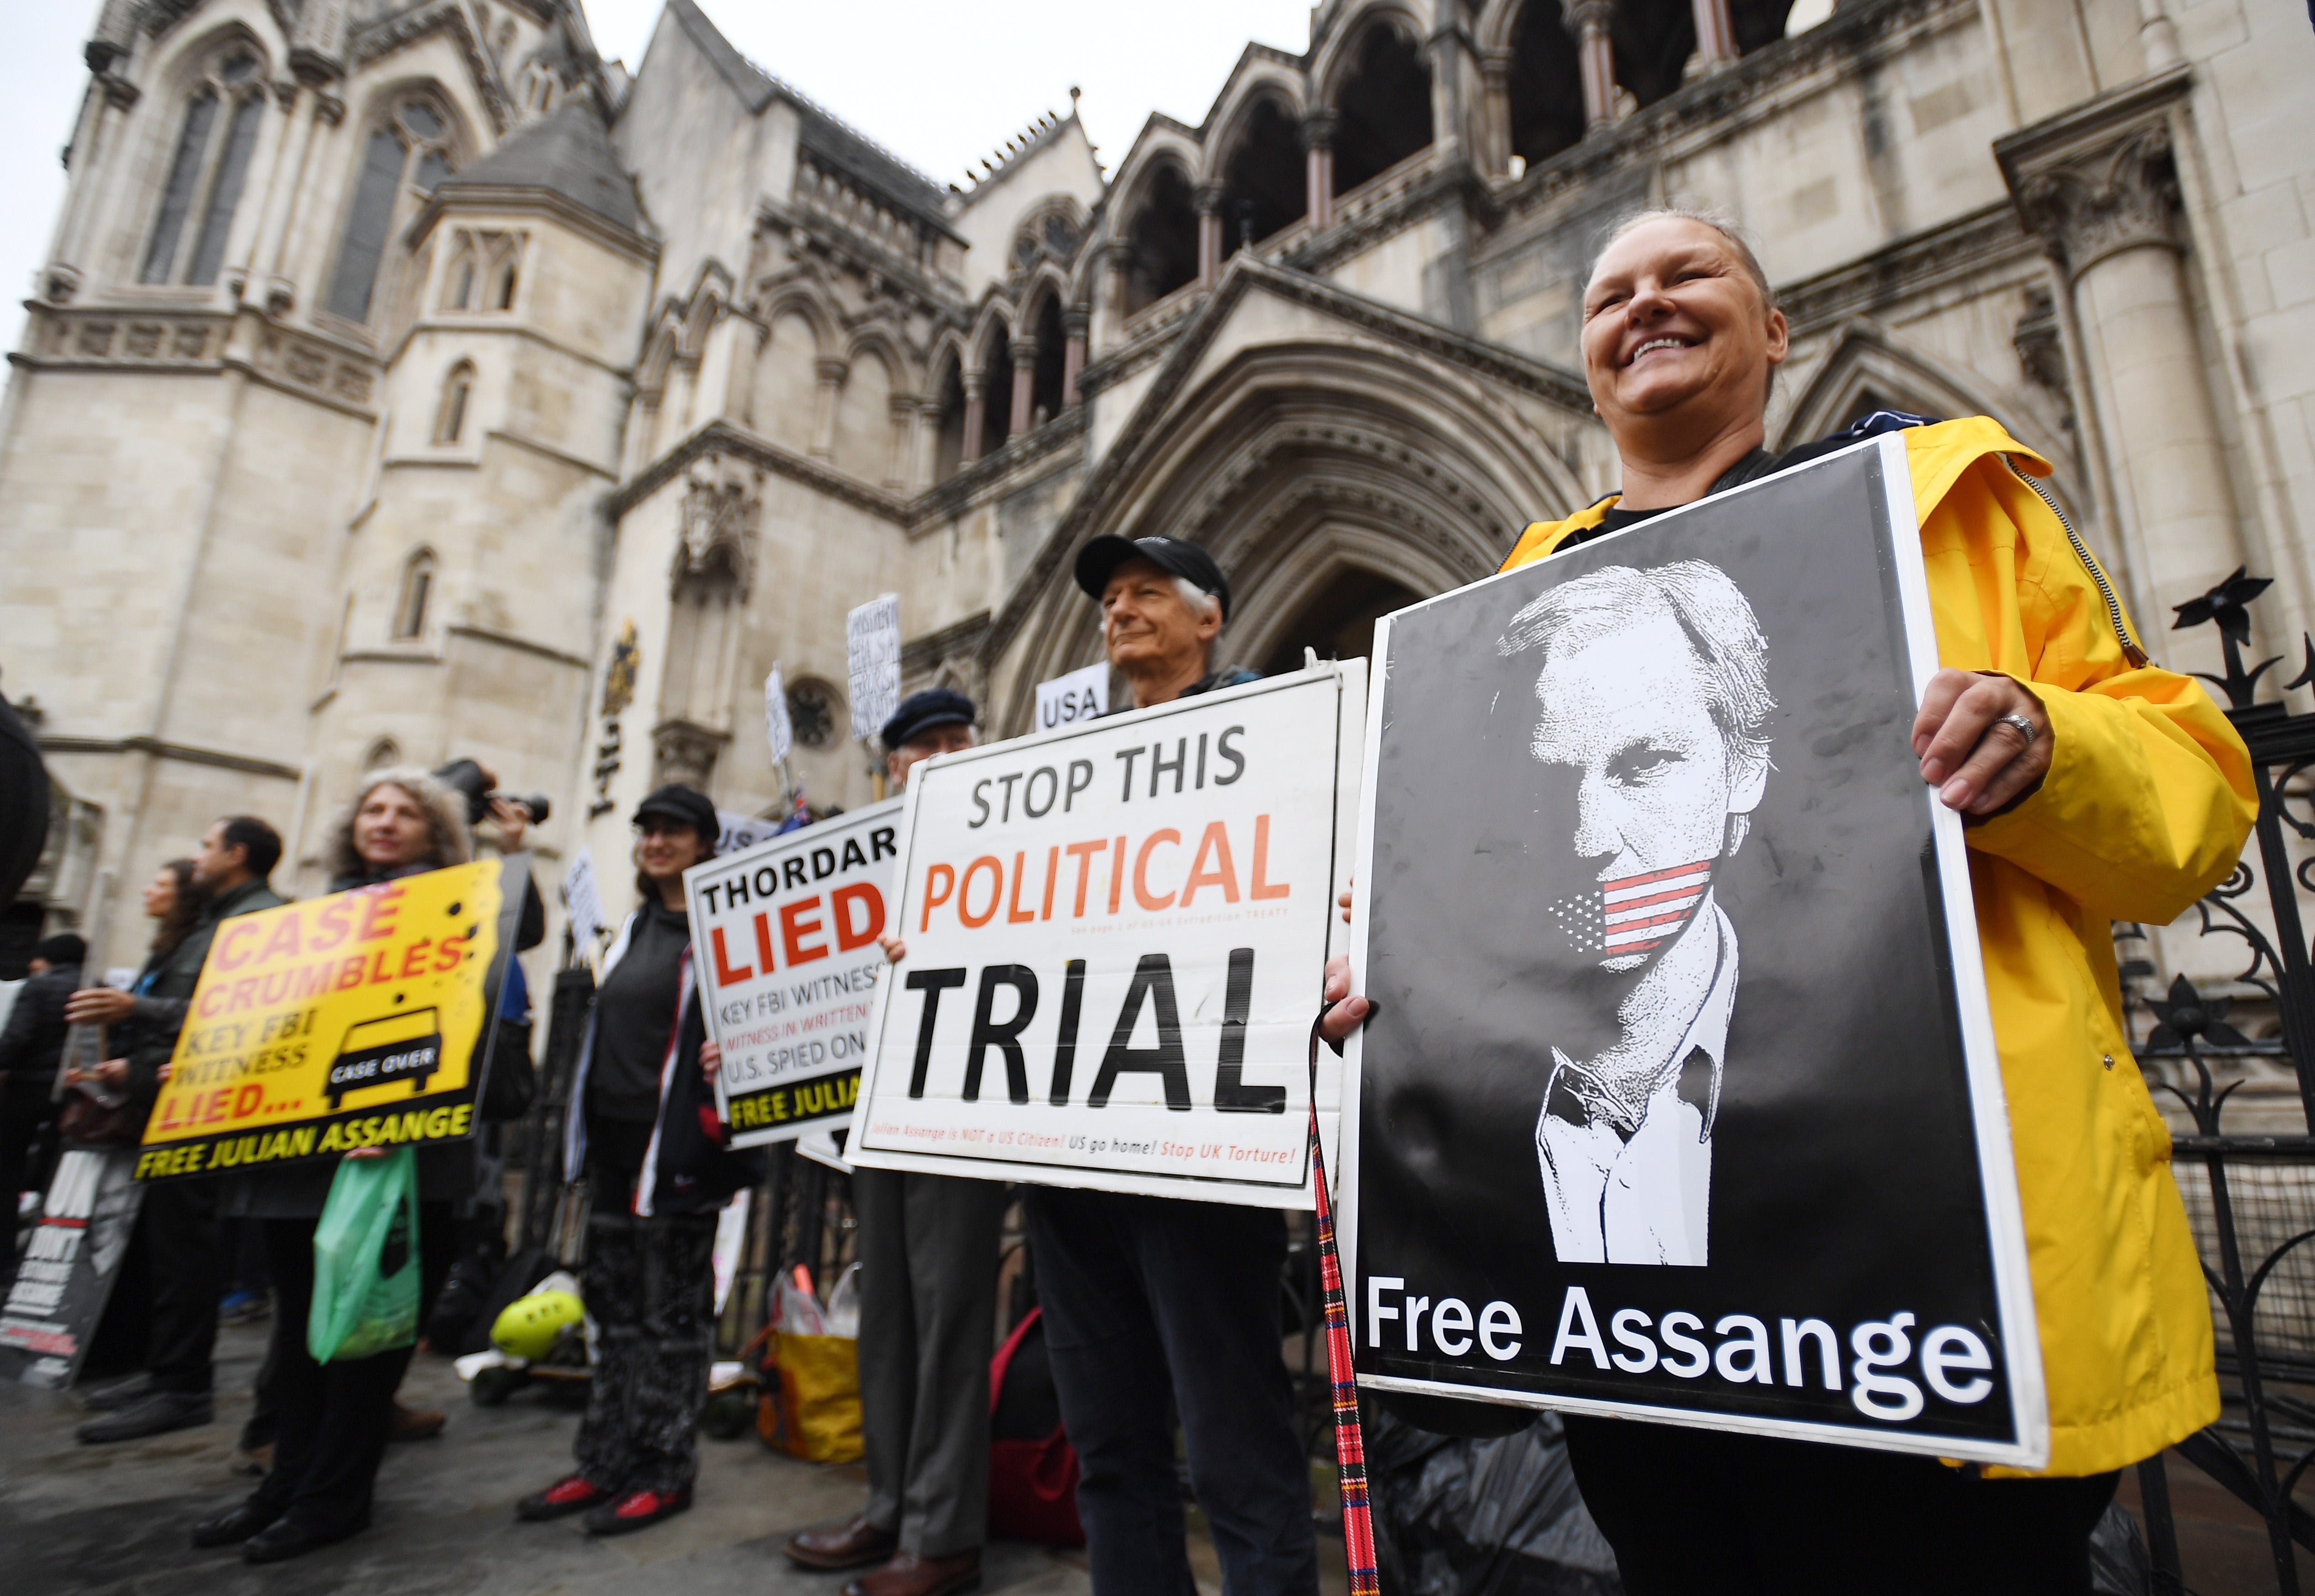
[2025, 727]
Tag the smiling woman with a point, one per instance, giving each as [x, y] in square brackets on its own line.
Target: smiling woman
[2067, 755]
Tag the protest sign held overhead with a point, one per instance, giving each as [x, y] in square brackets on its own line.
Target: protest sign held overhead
[1114, 937]
[784, 946]
[352, 1021]
[872, 652]
[1682, 1099]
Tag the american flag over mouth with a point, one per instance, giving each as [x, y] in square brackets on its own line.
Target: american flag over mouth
[1633, 914]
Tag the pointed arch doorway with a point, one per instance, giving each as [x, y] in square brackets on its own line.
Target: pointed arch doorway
[1339, 621]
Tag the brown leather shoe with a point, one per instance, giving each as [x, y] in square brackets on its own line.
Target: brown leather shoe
[849, 1546]
[908, 1575]
[414, 1424]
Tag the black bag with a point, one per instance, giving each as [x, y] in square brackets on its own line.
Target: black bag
[512, 1085]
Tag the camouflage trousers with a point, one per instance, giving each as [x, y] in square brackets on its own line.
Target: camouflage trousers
[651, 1288]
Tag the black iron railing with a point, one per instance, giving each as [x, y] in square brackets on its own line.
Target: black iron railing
[2249, 1195]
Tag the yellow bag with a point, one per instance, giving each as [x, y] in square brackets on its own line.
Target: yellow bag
[817, 1415]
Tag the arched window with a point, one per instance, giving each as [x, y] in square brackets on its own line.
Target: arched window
[948, 439]
[458, 388]
[384, 754]
[1385, 106]
[1163, 237]
[461, 278]
[502, 284]
[1264, 185]
[409, 150]
[207, 173]
[1545, 84]
[417, 589]
[1045, 394]
[996, 393]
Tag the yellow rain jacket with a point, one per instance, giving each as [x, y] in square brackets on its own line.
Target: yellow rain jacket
[2147, 803]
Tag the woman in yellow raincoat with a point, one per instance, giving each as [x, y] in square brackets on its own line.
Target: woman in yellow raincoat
[2095, 787]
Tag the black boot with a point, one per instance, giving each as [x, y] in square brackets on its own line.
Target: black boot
[156, 1414]
[235, 1525]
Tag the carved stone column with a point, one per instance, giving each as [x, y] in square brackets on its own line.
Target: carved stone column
[1318, 128]
[900, 452]
[1108, 305]
[1075, 324]
[976, 416]
[1024, 351]
[928, 451]
[1209, 198]
[1495, 113]
[2097, 184]
[1595, 58]
[823, 413]
[1715, 33]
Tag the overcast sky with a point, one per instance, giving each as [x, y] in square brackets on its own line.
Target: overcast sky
[938, 84]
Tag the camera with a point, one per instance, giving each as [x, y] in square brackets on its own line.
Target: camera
[479, 784]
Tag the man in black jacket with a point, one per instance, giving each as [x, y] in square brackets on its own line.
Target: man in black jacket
[179, 1217]
[30, 1046]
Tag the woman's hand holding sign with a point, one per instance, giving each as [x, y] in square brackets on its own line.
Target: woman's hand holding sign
[1984, 740]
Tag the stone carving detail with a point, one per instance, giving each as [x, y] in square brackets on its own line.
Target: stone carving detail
[2118, 199]
[685, 751]
[2040, 349]
[721, 508]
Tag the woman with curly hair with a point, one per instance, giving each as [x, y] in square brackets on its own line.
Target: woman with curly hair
[334, 1418]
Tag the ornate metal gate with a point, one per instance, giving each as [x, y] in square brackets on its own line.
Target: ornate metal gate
[2249, 1191]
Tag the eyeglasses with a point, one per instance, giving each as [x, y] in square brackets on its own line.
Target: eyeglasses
[656, 825]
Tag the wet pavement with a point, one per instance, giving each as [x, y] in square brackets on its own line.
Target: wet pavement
[115, 1521]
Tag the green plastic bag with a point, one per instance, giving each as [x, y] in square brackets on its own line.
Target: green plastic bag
[366, 1260]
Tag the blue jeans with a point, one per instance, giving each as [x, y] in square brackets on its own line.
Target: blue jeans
[1148, 1298]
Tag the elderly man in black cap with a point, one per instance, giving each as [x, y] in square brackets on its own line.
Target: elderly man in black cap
[928, 1249]
[1133, 1286]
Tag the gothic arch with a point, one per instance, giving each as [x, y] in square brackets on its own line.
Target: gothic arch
[882, 342]
[1337, 58]
[1379, 85]
[1870, 367]
[1259, 81]
[197, 145]
[807, 300]
[1264, 172]
[1156, 222]
[658, 356]
[1294, 463]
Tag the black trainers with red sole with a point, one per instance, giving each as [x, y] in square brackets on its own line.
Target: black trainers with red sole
[573, 1493]
[637, 1509]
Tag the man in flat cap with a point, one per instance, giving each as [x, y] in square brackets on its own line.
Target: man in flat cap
[1148, 1298]
[927, 1246]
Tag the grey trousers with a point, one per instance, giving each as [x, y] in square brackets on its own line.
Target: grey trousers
[927, 1321]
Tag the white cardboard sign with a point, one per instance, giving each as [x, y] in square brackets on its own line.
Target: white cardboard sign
[1115, 937]
[872, 652]
[783, 941]
[1080, 696]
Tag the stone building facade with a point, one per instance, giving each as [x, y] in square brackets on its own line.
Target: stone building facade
[407, 381]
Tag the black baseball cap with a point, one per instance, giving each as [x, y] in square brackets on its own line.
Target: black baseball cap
[687, 805]
[924, 712]
[1098, 561]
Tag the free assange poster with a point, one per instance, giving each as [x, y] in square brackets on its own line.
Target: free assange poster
[1682, 1102]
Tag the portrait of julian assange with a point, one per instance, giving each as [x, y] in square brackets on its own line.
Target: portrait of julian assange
[1659, 957]
[1652, 697]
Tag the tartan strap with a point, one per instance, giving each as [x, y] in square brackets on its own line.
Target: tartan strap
[1350, 1443]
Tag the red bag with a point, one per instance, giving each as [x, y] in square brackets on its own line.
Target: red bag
[1032, 1478]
